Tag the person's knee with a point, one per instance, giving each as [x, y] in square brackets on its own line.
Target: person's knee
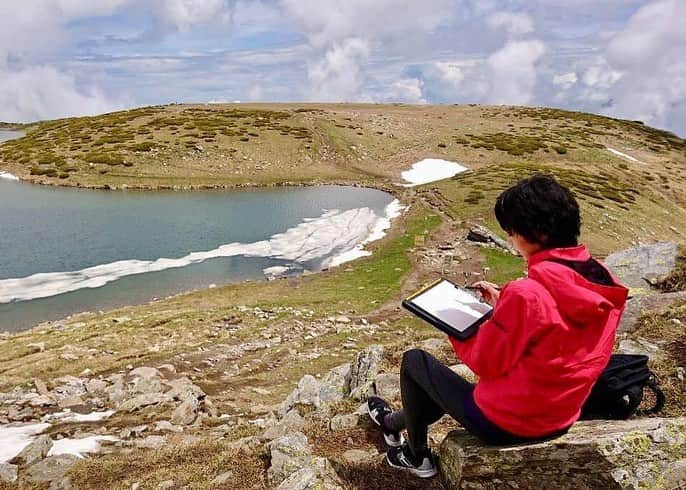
[411, 359]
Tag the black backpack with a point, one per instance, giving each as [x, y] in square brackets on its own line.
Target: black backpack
[619, 390]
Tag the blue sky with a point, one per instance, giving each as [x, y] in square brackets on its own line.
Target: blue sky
[72, 57]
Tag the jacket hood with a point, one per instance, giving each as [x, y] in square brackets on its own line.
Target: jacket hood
[580, 301]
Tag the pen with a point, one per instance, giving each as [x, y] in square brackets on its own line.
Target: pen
[497, 288]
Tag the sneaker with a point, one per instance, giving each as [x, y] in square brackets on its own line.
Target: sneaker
[378, 409]
[400, 457]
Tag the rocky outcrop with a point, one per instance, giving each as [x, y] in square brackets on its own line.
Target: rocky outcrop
[655, 303]
[364, 371]
[483, 236]
[645, 265]
[639, 453]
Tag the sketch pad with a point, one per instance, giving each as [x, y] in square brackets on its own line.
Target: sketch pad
[450, 308]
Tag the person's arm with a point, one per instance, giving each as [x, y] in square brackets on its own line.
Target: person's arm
[501, 340]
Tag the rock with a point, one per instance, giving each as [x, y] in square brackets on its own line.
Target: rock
[291, 422]
[639, 305]
[335, 386]
[183, 388]
[464, 371]
[222, 480]
[344, 421]
[61, 484]
[69, 357]
[42, 401]
[364, 370]
[342, 319]
[145, 373]
[96, 386]
[166, 426]
[638, 453]
[639, 345]
[433, 346]
[357, 456]
[151, 442]
[637, 267]
[34, 452]
[387, 386]
[186, 413]
[70, 401]
[8, 472]
[142, 401]
[288, 454]
[306, 393]
[318, 474]
[481, 234]
[36, 347]
[41, 387]
[51, 468]
[166, 485]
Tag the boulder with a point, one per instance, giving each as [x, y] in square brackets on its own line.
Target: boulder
[638, 453]
[639, 345]
[364, 371]
[34, 452]
[51, 468]
[638, 305]
[318, 474]
[8, 472]
[291, 422]
[142, 401]
[387, 386]
[344, 421]
[481, 234]
[641, 266]
[186, 413]
[289, 454]
[335, 386]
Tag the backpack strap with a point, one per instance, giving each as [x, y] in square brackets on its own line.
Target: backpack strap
[659, 395]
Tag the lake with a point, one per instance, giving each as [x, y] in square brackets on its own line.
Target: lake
[71, 250]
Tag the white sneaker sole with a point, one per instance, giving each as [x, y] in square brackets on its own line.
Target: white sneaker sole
[390, 442]
[428, 473]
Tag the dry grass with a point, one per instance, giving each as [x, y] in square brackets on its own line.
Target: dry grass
[661, 329]
[676, 281]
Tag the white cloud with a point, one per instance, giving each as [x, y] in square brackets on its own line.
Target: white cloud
[338, 76]
[42, 92]
[566, 80]
[183, 14]
[513, 72]
[406, 90]
[513, 23]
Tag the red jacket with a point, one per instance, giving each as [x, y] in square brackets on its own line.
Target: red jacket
[550, 337]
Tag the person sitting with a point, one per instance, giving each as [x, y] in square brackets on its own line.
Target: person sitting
[549, 338]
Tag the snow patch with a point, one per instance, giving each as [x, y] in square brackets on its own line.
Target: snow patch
[8, 176]
[431, 170]
[69, 416]
[16, 437]
[624, 155]
[79, 447]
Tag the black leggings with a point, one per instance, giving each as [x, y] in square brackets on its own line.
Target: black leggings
[429, 390]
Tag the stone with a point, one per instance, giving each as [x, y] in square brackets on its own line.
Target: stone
[289, 454]
[51, 468]
[335, 386]
[306, 393]
[96, 386]
[166, 426]
[8, 472]
[41, 387]
[434, 346]
[70, 401]
[639, 305]
[36, 347]
[42, 401]
[636, 267]
[223, 479]
[186, 413]
[34, 452]
[364, 370]
[387, 386]
[145, 372]
[61, 484]
[639, 345]
[464, 371]
[481, 234]
[142, 401]
[637, 453]
[291, 422]
[183, 388]
[344, 421]
[166, 485]
[318, 474]
[357, 456]
[151, 442]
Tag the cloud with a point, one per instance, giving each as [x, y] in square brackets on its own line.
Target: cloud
[183, 14]
[513, 23]
[513, 72]
[566, 80]
[338, 76]
[42, 92]
[648, 53]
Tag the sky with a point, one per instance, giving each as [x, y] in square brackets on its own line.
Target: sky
[622, 58]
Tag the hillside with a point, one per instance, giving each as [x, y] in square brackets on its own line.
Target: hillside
[247, 345]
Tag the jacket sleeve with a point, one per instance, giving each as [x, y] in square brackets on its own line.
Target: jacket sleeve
[501, 340]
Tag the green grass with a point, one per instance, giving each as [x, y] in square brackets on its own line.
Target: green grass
[504, 267]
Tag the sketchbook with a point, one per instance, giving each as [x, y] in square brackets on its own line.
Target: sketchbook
[450, 308]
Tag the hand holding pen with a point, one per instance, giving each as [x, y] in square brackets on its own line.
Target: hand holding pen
[489, 292]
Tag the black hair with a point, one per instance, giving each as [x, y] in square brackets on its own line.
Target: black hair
[540, 210]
